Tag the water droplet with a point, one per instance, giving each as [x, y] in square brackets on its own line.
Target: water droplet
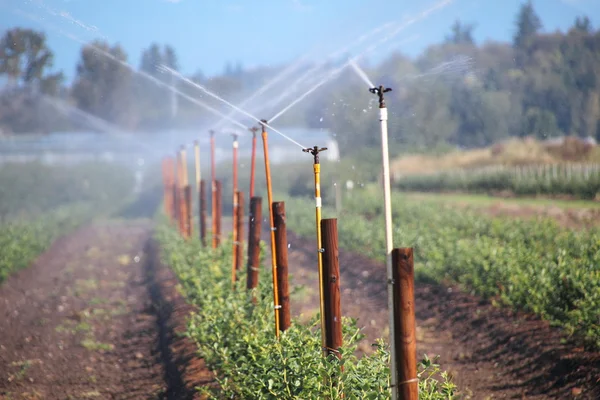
[321, 119]
[289, 245]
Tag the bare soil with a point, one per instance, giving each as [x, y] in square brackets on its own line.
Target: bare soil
[492, 353]
[97, 317]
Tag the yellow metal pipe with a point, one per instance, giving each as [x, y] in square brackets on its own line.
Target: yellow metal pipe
[272, 229]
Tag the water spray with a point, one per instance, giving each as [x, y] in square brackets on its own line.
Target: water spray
[132, 69]
[317, 171]
[254, 129]
[389, 244]
[310, 73]
[337, 71]
[277, 306]
[235, 210]
[222, 100]
[283, 74]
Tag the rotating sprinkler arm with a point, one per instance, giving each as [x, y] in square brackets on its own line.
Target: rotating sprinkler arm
[263, 124]
[315, 152]
[379, 91]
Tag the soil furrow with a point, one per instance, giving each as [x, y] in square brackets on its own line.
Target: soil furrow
[90, 319]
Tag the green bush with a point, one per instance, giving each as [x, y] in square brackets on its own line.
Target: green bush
[236, 338]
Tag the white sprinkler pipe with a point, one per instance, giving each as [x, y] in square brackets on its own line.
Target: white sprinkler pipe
[389, 242]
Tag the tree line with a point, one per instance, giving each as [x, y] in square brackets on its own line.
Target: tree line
[455, 93]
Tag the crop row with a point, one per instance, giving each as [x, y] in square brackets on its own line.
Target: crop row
[535, 266]
[29, 189]
[581, 181]
[234, 334]
[38, 204]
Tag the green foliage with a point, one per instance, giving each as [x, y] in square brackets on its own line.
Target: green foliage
[40, 203]
[236, 338]
[32, 188]
[21, 242]
[580, 181]
[535, 266]
[104, 86]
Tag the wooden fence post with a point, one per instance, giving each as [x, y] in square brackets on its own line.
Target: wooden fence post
[182, 211]
[254, 229]
[187, 195]
[331, 287]
[240, 231]
[404, 314]
[202, 208]
[282, 264]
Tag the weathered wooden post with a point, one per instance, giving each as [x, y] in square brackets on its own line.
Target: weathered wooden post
[282, 265]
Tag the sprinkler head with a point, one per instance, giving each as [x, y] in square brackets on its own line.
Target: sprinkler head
[254, 129]
[315, 152]
[212, 133]
[263, 122]
[379, 91]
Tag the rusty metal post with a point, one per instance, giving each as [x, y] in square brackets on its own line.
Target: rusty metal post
[239, 256]
[254, 229]
[253, 161]
[282, 264]
[276, 305]
[218, 213]
[202, 208]
[331, 287]
[405, 337]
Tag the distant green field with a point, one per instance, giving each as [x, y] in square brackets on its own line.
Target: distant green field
[485, 200]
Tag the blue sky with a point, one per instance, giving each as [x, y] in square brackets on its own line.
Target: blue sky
[207, 34]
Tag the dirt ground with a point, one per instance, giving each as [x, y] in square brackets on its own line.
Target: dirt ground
[96, 317]
[492, 353]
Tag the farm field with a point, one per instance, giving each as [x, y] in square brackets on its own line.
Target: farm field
[207, 200]
[574, 214]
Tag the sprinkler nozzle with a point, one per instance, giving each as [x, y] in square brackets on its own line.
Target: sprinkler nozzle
[212, 133]
[254, 129]
[379, 91]
[315, 152]
[263, 123]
